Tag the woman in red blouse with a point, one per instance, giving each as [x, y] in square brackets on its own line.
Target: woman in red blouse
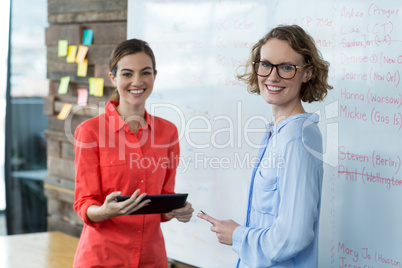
[125, 151]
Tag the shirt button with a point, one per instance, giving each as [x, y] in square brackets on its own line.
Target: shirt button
[139, 231]
[142, 181]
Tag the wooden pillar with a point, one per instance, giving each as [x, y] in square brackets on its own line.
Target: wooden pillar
[67, 20]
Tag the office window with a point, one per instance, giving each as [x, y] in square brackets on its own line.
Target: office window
[26, 123]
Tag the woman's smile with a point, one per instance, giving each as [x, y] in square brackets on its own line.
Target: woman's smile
[137, 92]
[272, 89]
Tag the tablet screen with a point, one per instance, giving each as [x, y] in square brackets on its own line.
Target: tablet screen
[162, 203]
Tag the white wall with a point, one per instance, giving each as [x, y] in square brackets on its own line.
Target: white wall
[199, 45]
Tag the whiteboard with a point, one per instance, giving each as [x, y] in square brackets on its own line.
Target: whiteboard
[199, 46]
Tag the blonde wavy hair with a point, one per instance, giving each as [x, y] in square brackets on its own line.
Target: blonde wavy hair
[317, 87]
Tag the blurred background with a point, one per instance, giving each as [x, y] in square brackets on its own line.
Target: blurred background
[23, 85]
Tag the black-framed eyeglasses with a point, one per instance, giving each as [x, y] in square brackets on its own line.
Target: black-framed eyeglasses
[284, 70]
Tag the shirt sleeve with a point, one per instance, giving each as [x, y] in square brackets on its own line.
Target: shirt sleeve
[87, 173]
[173, 158]
[293, 230]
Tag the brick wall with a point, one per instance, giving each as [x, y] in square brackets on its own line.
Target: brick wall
[67, 20]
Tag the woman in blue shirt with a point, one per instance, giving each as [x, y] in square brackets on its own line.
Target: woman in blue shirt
[281, 228]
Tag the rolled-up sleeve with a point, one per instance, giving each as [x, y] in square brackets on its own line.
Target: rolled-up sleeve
[299, 187]
[87, 178]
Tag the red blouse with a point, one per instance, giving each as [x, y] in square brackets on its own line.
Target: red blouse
[108, 158]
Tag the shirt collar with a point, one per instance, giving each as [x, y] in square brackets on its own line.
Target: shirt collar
[277, 128]
[110, 110]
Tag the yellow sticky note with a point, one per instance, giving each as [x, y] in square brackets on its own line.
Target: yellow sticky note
[63, 86]
[71, 54]
[82, 68]
[65, 111]
[81, 54]
[96, 86]
[62, 48]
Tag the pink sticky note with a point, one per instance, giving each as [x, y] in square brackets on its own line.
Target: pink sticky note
[82, 96]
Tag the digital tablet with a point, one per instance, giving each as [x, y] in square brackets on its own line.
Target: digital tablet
[162, 203]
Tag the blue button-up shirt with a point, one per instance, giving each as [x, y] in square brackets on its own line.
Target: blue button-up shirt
[281, 228]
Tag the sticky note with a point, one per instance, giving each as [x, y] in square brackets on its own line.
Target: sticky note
[62, 48]
[63, 86]
[81, 54]
[65, 111]
[87, 37]
[96, 86]
[82, 96]
[71, 54]
[82, 68]
[99, 82]
[91, 82]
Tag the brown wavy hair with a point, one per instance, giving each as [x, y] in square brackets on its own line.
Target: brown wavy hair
[317, 87]
[128, 47]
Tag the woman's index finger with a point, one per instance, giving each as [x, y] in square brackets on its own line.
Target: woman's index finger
[208, 218]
